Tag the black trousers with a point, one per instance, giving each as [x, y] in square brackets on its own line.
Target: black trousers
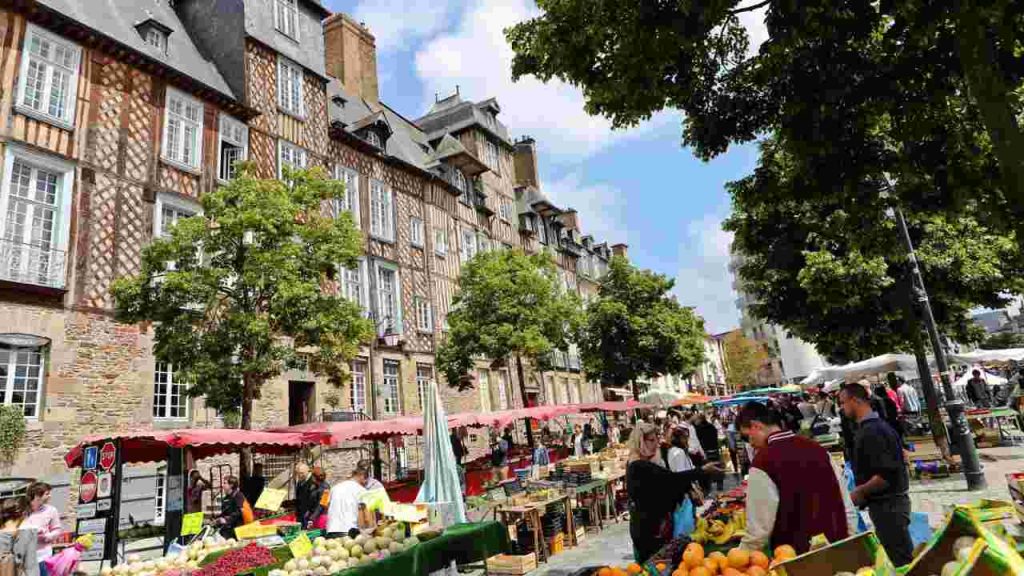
[891, 518]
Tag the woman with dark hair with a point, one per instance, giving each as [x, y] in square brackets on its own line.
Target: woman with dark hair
[231, 507]
[322, 493]
[16, 539]
[45, 519]
[194, 492]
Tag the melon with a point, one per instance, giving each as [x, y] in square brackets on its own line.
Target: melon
[395, 548]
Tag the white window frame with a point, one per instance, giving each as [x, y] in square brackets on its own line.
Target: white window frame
[357, 392]
[484, 383]
[350, 202]
[62, 226]
[196, 142]
[462, 183]
[286, 15]
[396, 322]
[156, 38]
[170, 384]
[503, 384]
[492, 156]
[416, 232]
[177, 203]
[505, 210]
[363, 294]
[160, 496]
[292, 150]
[235, 133]
[391, 385]
[288, 72]
[467, 244]
[66, 120]
[423, 380]
[424, 315]
[382, 211]
[440, 241]
[8, 383]
[373, 138]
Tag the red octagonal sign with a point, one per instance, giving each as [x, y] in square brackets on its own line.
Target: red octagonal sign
[107, 456]
[87, 490]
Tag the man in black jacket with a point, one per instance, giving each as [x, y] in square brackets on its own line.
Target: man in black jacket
[306, 499]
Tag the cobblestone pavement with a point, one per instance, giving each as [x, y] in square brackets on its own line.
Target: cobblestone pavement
[936, 497]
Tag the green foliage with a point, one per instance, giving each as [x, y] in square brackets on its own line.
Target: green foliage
[241, 292]
[12, 431]
[509, 304]
[635, 329]
[834, 272]
[743, 359]
[1002, 341]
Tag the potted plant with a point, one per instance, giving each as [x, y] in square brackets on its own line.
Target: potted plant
[12, 435]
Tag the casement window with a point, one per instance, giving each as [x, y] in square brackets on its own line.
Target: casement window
[49, 77]
[349, 201]
[483, 382]
[505, 210]
[157, 39]
[503, 390]
[424, 375]
[374, 139]
[21, 375]
[491, 157]
[286, 18]
[170, 398]
[35, 206]
[290, 155]
[234, 146]
[392, 390]
[468, 245]
[549, 392]
[160, 497]
[424, 315]
[416, 232]
[462, 183]
[388, 298]
[168, 210]
[289, 87]
[183, 130]
[353, 283]
[440, 241]
[358, 399]
[382, 216]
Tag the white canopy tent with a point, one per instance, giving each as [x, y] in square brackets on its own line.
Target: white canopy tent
[989, 378]
[904, 365]
[660, 397]
[1007, 355]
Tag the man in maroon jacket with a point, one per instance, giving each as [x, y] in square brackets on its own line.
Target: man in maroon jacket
[794, 490]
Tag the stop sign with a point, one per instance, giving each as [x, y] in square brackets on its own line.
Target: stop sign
[87, 490]
[108, 454]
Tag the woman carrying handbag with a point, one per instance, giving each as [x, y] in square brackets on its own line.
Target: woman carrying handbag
[17, 543]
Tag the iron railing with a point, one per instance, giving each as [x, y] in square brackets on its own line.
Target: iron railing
[30, 264]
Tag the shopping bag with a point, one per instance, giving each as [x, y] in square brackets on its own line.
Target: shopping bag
[851, 483]
[684, 521]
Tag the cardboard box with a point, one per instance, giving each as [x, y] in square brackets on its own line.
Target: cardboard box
[991, 555]
[847, 555]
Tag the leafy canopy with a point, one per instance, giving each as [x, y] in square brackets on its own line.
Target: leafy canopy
[635, 329]
[241, 292]
[509, 303]
[744, 358]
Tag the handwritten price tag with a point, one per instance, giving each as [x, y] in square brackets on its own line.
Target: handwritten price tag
[301, 546]
[191, 523]
[271, 499]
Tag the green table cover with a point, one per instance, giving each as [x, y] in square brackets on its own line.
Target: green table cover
[463, 543]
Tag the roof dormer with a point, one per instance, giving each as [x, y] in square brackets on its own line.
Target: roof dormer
[155, 34]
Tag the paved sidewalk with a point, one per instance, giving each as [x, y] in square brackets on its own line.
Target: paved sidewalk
[936, 497]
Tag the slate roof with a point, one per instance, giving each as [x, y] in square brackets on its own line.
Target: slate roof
[453, 115]
[117, 19]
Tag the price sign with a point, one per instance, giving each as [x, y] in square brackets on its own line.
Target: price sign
[271, 499]
[301, 546]
[191, 523]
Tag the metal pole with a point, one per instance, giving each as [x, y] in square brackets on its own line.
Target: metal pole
[959, 431]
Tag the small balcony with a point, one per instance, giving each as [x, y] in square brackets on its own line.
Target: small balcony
[33, 265]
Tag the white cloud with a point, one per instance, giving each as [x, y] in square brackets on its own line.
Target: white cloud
[399, 24]
[707, 283]
[601, 208]
[757, 31]
[475, 56]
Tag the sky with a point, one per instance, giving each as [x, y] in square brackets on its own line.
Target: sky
[637, 186]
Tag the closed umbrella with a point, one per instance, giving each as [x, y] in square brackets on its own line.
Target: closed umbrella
[440, 471]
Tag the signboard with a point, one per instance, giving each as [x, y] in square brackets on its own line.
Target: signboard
[91, 457]
[96, 526]
[105, 485]
[108, 455]
[102, 505]
[271, 499]
[175, 497]
[191, 523]
[86, 510]
[87, 488]
[99, 545]
[301, 546]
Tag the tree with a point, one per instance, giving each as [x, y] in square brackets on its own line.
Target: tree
[1003, 340]
[509, 304]
[743, 359]
[941, 81]
[237, 293]
[634, 329]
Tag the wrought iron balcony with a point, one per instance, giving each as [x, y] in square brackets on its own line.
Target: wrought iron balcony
[29, 264]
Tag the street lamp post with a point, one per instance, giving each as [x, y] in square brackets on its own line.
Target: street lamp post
[959, 431]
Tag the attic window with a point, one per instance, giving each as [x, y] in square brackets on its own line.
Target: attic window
[154, 33]
[338, 100]
[373, 138]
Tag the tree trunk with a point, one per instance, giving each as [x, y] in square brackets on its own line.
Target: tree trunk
[522, 393]
[245, 454]
[931, 399]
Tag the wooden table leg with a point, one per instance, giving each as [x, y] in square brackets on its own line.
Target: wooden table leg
[540, 543]
[570, 523]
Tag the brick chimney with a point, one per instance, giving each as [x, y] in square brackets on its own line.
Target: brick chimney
[526, 162]
[571, 219]
[351, 54]
[620, 250]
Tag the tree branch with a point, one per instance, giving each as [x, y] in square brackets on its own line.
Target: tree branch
[750, 8]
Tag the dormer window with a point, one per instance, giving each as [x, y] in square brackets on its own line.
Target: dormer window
[373, 138]
[460, 181]
[286, 18]
[155, 34]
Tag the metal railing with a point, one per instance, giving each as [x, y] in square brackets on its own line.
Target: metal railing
[29, 264]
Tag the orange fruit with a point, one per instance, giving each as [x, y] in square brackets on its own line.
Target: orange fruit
[711, 564]
[731, 572]
[660, 567]
[701, 571]
[759, 558]
[721, 562]
[681, 572]
[634, 568]
[693, 557]
[756, 570]
[606, 571]
[738, 558]
[785, 552]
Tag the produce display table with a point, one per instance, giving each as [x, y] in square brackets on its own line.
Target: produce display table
[462, 543]
[611, 481]
[597, 489]
[531, 513]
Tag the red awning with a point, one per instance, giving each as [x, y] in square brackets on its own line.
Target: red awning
[334, 433]
[623, 406]
[151, 446]
[503, 418]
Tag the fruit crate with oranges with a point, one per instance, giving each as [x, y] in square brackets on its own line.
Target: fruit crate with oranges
[734, 562]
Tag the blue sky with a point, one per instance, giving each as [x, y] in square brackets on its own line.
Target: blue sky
[637, 186]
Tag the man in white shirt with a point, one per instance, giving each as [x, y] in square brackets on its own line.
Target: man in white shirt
[908, 397]
[343, 512]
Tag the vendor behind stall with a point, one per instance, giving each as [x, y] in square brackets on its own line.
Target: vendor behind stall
[793, 490]
[232, 508]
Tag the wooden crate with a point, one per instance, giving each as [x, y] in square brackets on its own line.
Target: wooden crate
[507, 564]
